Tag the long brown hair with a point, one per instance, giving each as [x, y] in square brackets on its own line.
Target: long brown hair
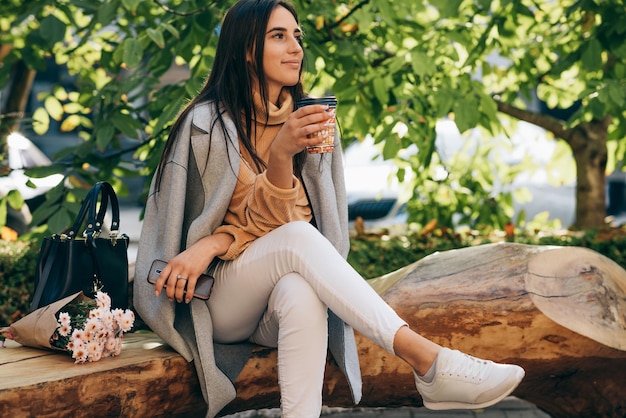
[229, 85]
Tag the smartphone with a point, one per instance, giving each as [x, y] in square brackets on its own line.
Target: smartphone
[204, 285]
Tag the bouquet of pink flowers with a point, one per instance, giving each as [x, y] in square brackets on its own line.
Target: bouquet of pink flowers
[86, 328]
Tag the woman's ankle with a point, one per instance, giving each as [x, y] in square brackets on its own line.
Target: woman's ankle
[419, 352]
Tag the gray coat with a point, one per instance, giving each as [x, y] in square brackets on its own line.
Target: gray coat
[197, 184]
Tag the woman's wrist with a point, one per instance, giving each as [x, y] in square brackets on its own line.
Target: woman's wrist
[218, 244]
[280, 170]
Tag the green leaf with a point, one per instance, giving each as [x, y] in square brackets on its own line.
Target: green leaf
[597, 109]
[448, 8]
[380, 90]
[445, 102]
[423, 64]
[60, 220]
[488, 106]
[15, 199]
[4, 211]
[617, 95]
[106, 13]
[156, 36]
[52, 30]
[41, 121]
[132, 52]
[592, 55]
[104, 135]
[171, 29]
[54, 107]
[392, 147]
[44, 170]
[465, 115]
[131, 5]
[126, 124]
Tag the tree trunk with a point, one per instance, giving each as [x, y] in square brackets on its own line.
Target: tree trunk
[557, 312]
[588, 142]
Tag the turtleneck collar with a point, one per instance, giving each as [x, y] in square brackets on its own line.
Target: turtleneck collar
[277, 114]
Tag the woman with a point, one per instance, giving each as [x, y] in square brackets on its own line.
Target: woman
[236, 193]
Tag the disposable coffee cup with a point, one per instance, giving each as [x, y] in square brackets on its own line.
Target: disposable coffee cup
[328, 133]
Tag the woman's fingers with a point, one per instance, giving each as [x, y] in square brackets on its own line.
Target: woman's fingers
[178, 285]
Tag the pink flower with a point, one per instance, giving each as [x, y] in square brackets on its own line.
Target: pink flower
[92, 325]
[96, 313]
[98, 334]
[64, 318]
[64, 330]
[78, 344]
[78, 334]
[103, 300]
[107, 319]
[110, 344]
[93, 348]
[118, 314]
[96, 356]
[126, 323]
[80, 355]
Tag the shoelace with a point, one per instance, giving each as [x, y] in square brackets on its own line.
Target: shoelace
[468, 367]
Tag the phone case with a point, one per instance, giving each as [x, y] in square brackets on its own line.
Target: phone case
[204, 285]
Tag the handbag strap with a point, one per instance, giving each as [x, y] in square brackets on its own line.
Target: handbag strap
[103, 193]
[82, 213]
[96, 220]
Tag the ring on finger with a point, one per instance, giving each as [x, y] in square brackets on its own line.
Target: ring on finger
[180, 277]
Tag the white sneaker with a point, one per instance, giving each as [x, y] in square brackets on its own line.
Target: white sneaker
[465, 382]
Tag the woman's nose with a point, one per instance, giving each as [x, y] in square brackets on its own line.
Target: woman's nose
[294, 45]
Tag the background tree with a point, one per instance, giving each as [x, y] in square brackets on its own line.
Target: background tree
[397, 67]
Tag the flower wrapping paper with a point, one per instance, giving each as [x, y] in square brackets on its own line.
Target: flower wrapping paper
[36, 328]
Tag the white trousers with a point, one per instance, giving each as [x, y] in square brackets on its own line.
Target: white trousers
[277, 293]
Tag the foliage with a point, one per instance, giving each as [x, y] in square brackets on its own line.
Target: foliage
[374, 255]
[17, 267]
[397, 68]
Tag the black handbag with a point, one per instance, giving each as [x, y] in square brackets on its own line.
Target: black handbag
[67, 263]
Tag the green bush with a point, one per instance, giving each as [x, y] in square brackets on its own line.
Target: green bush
[17, 269]
[375, 255]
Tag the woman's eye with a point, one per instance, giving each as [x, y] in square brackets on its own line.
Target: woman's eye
[278, 36]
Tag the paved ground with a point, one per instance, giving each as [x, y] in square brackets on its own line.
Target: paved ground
[510, 407]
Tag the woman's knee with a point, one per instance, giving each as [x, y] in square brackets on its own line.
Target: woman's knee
[300, 238]
[294, 298]
[298, 231]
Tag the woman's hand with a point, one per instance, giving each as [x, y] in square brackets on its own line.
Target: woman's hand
[180, 275]
[295, 135]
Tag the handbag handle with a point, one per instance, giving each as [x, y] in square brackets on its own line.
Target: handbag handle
[95, 221]
[103, 192]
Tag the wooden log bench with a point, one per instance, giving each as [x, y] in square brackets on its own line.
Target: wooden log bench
[561, 315]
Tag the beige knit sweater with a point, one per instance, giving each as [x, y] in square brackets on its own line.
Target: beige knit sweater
[257, 206]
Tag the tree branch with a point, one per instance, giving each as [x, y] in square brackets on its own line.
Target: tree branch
[176, 12]
[549, 123]
[347, 15]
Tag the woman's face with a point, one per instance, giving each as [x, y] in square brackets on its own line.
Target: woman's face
[282, 54]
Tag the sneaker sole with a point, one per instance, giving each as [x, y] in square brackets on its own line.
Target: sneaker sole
[440, 406]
